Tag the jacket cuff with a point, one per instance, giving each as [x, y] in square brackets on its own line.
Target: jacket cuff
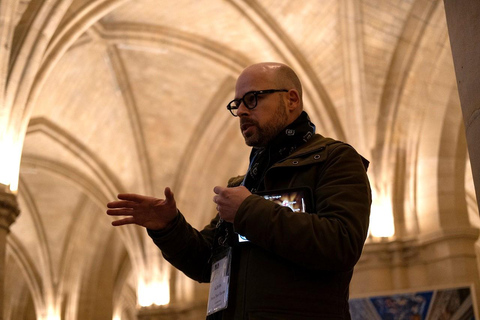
[240, 222]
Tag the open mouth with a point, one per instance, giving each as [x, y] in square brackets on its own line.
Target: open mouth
[246, 127]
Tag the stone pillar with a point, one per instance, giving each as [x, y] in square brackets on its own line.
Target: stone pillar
[8, 213]
[463, 21]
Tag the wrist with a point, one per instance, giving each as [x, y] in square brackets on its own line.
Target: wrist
[166, 227]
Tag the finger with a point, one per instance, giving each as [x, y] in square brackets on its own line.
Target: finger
[218, 200]
[120, 212]
[122, 222]
[218, 189]
[131, 197]
[122, 204]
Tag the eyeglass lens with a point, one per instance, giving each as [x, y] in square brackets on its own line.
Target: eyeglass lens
[250, 99]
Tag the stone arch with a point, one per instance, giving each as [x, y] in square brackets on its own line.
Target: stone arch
[31, 276]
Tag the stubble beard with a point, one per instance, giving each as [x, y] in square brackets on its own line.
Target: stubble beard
[263, 135]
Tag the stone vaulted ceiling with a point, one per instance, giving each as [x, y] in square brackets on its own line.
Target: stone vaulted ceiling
[129, 96]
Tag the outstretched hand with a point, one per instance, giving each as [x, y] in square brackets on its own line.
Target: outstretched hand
[148, 212]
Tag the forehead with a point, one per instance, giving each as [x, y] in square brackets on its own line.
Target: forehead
[253, 79]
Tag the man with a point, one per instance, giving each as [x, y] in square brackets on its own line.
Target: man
[286, 264]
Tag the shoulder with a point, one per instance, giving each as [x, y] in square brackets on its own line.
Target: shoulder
[329, 148]
[318, 143]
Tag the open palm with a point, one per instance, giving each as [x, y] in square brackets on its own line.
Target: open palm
[149, 212]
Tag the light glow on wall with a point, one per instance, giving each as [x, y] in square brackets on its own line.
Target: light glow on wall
[52, 314]
[153, 293]
[9, 162]
[381, 216]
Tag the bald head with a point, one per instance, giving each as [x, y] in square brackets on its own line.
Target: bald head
[275, 94]
[277, 74]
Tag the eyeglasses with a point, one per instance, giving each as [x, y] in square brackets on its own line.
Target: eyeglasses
[249, 99]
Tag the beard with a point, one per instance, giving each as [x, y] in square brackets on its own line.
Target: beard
[262, 135]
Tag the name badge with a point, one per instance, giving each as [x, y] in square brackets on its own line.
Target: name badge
[219, 281]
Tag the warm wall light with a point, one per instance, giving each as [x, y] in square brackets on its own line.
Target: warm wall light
[9, 162]
[381, 217]
[51, 315]
[153, 293]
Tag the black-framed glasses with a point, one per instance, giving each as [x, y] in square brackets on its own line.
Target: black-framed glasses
[249, 99]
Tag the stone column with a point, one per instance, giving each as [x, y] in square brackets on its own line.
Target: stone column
[8, 213]
[463, 21]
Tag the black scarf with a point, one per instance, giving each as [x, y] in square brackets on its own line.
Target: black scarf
[284, 144]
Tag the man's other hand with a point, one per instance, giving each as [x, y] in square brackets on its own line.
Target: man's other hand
[228, 201]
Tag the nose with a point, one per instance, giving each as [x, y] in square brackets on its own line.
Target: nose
[242, 109]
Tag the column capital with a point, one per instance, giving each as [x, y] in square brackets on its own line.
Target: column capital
[9, 210]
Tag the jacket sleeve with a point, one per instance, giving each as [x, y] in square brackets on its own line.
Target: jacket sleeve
[186, 248]
[331, 238]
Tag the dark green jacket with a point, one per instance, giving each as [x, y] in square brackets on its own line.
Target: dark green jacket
[297, 266]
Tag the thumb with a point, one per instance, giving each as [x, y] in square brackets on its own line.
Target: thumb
[169, 194]
[218, 189]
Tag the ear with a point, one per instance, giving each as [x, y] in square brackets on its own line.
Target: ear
[293, 100]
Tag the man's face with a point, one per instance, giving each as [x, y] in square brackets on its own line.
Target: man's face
[261, 124]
